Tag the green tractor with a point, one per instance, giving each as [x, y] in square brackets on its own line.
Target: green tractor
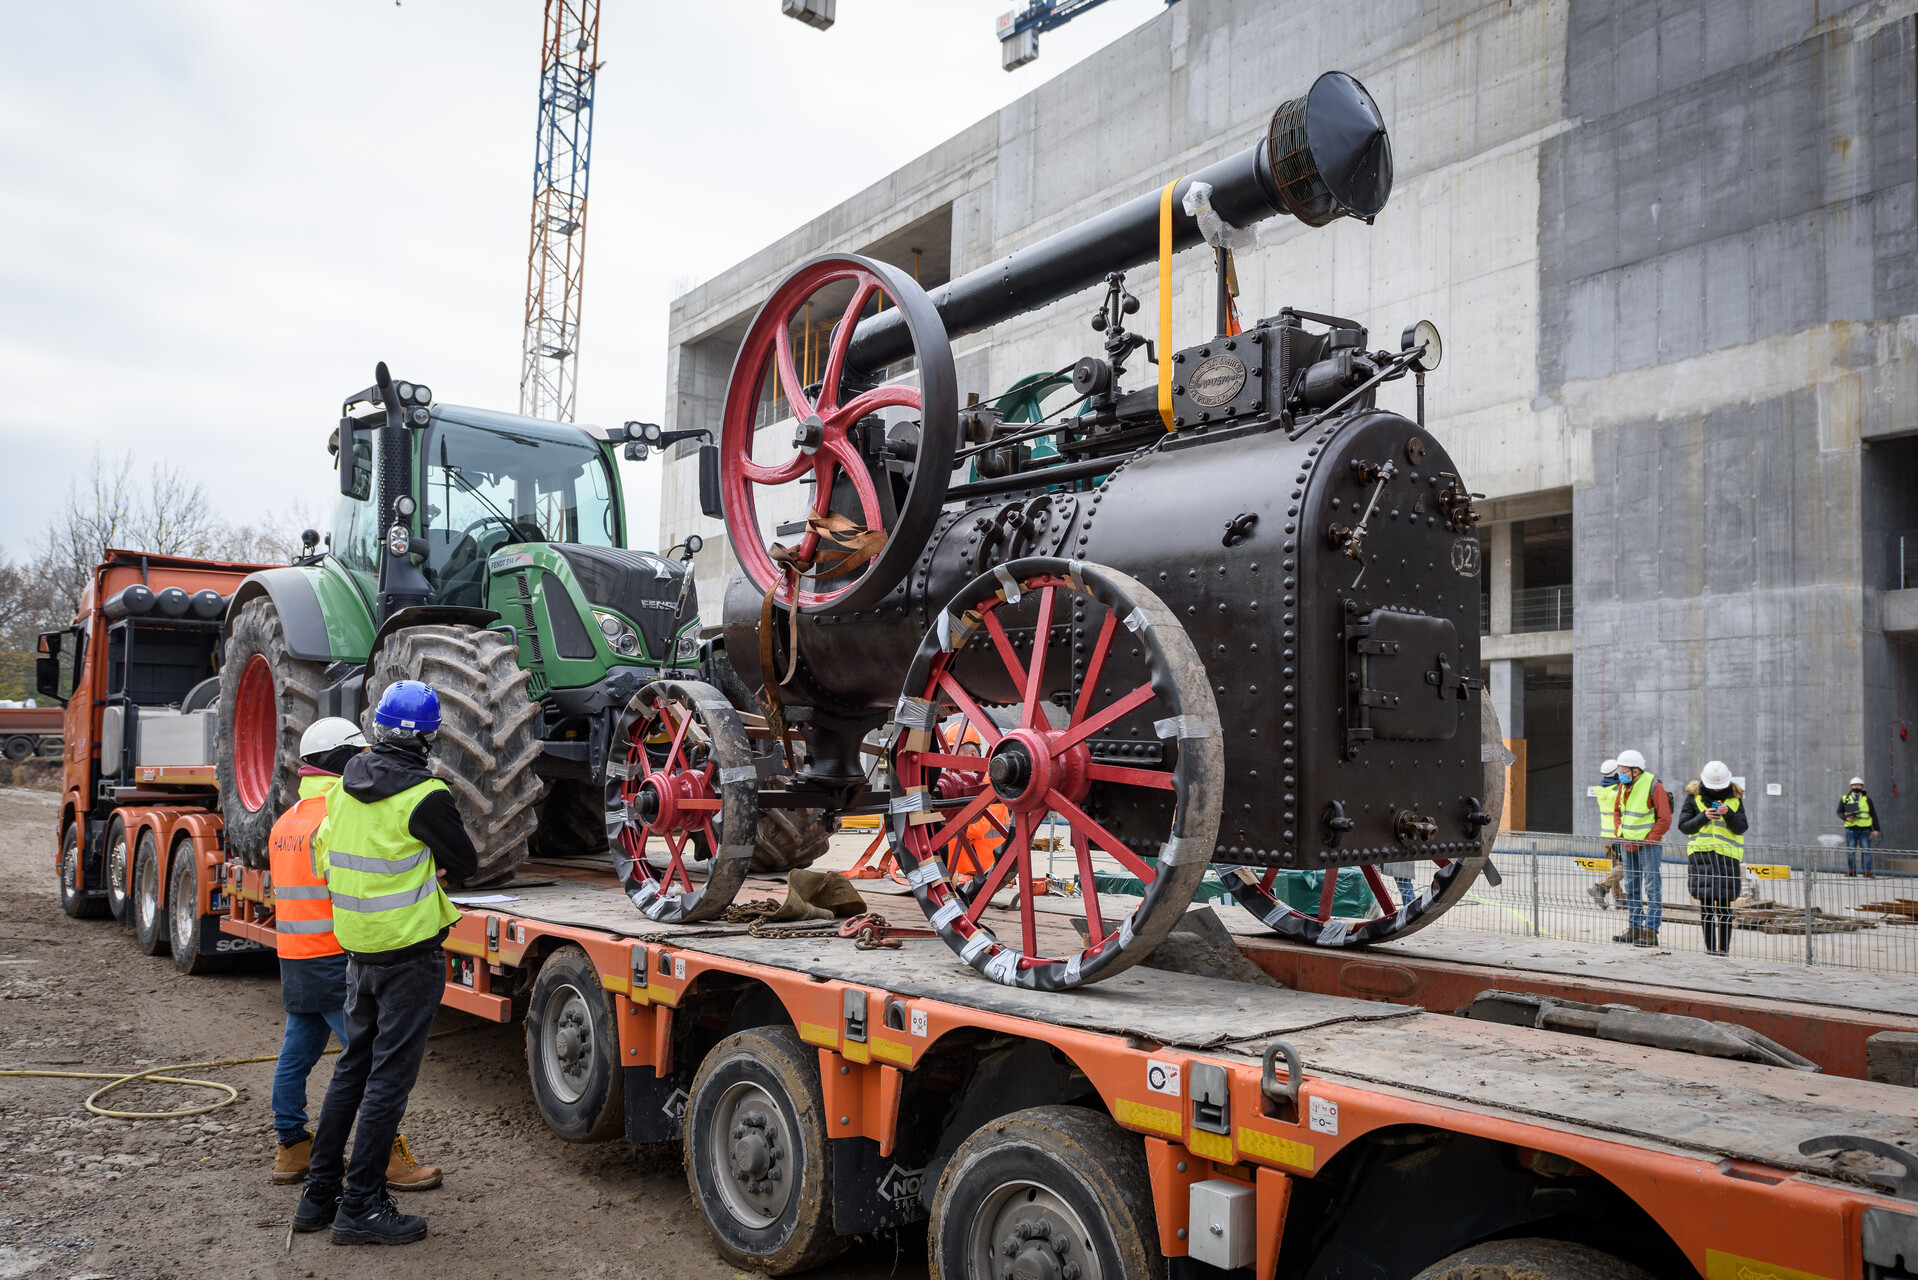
[484, 553]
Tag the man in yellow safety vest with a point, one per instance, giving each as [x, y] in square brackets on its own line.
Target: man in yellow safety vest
[1861, 824]
[390, 827]
[1644, 812]
[1608, 888]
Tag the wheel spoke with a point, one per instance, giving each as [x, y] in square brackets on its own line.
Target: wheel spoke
[841, 341]
[1003, 643]
[994, 878]
[1327, 893]
[977, 718]
[785, 473]
[847, 459]
[1095, 667]
[957, 824]
[893, 396]
[1021, 849]
[679, 736]
[1088, 888]
[1078, 818]
[790, 384]
[1267, 880]
[1086, 728]
[1379, 891]
[958, 764]
[700, 806]
[1129, 777]
[1035, 673]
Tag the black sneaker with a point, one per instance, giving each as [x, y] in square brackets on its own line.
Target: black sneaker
[316, 1212]
[380, 1222]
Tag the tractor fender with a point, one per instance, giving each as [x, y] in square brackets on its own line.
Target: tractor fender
[426, 615]
[298, 604]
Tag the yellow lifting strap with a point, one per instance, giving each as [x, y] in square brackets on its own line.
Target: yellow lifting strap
[1165, 303]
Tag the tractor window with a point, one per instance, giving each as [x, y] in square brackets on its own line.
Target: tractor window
[496, 479]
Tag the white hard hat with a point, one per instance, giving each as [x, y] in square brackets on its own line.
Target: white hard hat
[1856, 782]
[1610, 766]
[325, 735]
[1630, 760]
[1717, 775]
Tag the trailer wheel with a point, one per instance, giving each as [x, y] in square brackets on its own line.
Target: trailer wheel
[1042, 1192]
[757, 1157]
[117, 869]
[19, 748]
[72, 901]
[572, 1050]
[1531, 1260]
[183, 916]
[149, 918]
[267, 699]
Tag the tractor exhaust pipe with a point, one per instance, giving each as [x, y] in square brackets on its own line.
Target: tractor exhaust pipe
[1324, 156]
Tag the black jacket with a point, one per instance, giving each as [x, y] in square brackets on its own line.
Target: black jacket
[1692, 816]
[1868, 800]
[387, 770]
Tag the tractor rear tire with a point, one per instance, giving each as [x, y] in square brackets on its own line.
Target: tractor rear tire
[789, 839]
[267, 699]
[572, 821]
[489, 733]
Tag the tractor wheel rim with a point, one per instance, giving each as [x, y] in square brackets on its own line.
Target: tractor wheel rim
[256, 733]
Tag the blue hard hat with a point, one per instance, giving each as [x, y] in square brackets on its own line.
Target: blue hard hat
[409, 704]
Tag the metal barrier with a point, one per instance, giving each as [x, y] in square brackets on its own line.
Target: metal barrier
[1796, 903]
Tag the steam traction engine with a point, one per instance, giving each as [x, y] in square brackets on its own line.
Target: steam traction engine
[1229, 618]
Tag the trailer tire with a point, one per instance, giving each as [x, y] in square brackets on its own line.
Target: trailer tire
[1070, 1167]
[149, 917]
[788, 839]
[488, 741]
[1532, 1260]
[267, 700]
[763, 1086]
[183, 916]
[73, 901]
[19, 747]
[117, 860]
[572, 1050]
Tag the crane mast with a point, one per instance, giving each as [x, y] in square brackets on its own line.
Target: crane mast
[556, 258]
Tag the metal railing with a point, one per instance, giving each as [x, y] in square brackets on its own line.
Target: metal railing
[1542, 609]
[1795, 903]
[1904, 560]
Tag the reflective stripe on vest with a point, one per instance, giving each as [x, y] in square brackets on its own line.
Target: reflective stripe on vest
[1638, 816]
[1860, 806]
[1715, 836]
[302, 910]
[380, 876]
[1607, 809]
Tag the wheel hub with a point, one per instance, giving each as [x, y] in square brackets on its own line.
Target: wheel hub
[1035, 1254]
[1011, 770]
[809, 434]
[755, 1155]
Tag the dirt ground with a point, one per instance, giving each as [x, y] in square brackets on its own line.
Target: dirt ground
[87, 1197]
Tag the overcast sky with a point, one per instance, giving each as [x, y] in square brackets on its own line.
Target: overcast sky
[215, 217]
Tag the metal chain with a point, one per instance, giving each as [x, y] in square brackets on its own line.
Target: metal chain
[870, 931]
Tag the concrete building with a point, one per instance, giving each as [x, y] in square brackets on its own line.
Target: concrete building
[1672, 251]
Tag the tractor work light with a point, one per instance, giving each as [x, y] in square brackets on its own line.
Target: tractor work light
[406, 391]
[403, 505]
[396, 540]
[422, 395]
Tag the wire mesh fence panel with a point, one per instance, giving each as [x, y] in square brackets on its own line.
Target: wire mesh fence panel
[1792, 903]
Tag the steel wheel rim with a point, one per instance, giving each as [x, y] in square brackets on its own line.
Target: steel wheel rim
[751, 1147]
[180, 904]
[117, 870]
[1035, 1221]
[256, 732]
[146, 891]
[70, 870]
[567, 1049]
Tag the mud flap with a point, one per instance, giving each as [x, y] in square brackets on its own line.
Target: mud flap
[871, 1191]
[655, 1108]
[216, 942]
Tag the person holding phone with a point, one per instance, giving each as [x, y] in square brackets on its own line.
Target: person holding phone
[1714, 817]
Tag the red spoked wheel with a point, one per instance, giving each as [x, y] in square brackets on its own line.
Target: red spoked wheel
[1088, 669]
[880, 489]
[1398, 913]
[685, 790]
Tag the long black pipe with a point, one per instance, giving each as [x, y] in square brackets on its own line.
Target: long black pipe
[1348, 152]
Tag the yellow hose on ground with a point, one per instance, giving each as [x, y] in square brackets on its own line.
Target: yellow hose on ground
[153, 1074]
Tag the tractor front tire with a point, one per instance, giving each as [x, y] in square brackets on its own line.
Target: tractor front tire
[489, 733]
[267, 699]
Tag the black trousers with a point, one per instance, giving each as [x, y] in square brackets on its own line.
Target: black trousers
[1718, 926]
[389, 1011]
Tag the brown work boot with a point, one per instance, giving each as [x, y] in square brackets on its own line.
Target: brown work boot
[289, 1166]
[1645, 938]
[404, 1173]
